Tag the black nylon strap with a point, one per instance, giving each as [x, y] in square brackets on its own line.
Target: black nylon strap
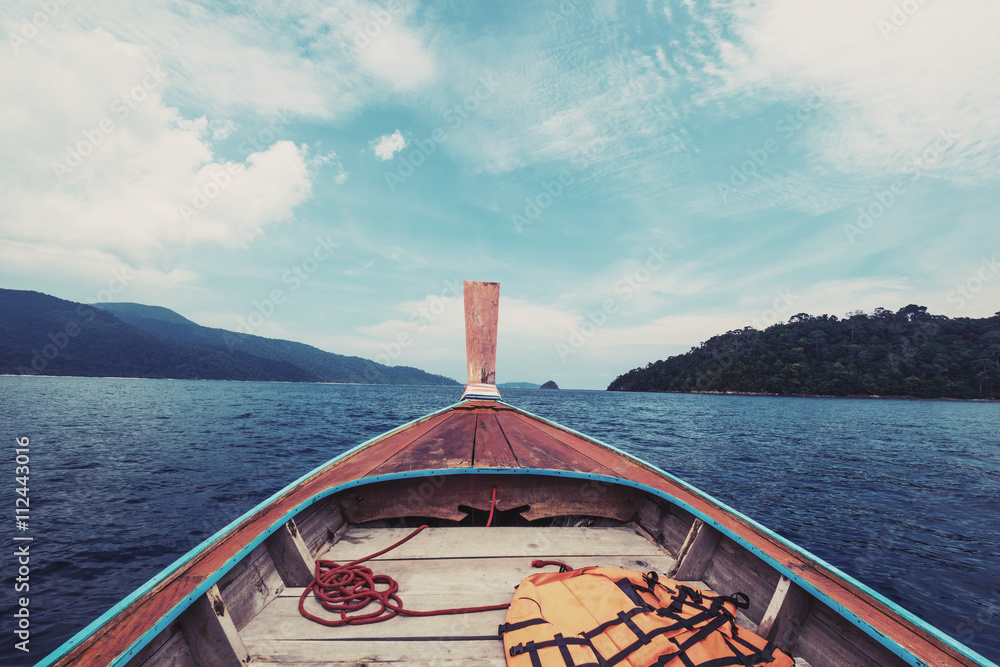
[756, 656]
[507, 627]
[711, 618]
[636, 630]
[636, 645]
[767, 652]
[532, 648]
[728, 661]
[615, 621]
[629, 589]
[564, 650]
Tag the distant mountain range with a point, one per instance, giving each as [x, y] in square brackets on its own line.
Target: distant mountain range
[44, 335]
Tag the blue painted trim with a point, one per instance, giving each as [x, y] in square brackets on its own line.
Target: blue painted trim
[900, 651]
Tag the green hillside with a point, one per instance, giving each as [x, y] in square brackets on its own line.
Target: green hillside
[906, 353]
[44, 335]
[325, 366]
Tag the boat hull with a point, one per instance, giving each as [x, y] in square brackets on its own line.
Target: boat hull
[480, 458]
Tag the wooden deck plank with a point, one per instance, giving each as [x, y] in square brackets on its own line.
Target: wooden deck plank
[474, 542]
[283, 620]
[474, 653]
[535, 449]
[474, 575]
[491, 449]
[448, 445]
[425, 585]
[417, 578]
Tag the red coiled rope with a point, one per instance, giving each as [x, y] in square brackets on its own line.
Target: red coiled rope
[349, 588]
[563, 567]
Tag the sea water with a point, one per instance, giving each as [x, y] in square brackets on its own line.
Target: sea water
[127, 475]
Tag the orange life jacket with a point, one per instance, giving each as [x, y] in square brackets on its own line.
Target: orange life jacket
[600, 617]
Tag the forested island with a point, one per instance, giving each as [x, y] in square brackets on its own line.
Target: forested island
[908, 353]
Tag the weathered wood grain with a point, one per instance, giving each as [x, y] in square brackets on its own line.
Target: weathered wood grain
[170, 634]
[250, 586]
[668, 525]
[439, 496]
[447, 653]
[210, 634]
[535, 449]
[785, 614]
[491, 448]
[448, 445]
[496, 542]
[696, 552]
[482, 306]
[290, 555]
[319, 523]
[173, 653]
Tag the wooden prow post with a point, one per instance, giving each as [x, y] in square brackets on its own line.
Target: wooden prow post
[482, 305]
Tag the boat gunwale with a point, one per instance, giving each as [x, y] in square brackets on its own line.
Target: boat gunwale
[832, 572]
[893, 607]
[87, 631]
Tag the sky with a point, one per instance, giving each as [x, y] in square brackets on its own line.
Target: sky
[638, 176]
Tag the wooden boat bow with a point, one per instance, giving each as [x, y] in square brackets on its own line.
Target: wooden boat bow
[444, 468]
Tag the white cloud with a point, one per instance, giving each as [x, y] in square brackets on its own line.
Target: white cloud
[95, 161]
[308, 58]
[89, 276]
[388, 145]
[890, 92]
[378, 38]
[264, 190]
[221, 129]
[330, 159]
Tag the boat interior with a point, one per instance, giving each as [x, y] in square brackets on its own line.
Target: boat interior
[251, 615]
